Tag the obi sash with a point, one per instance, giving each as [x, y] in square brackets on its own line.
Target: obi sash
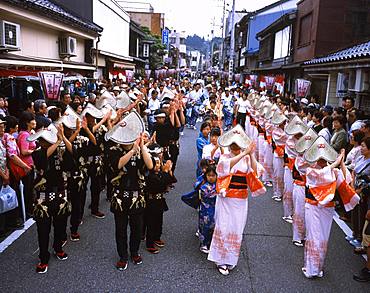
[279, 150]
[236, 185]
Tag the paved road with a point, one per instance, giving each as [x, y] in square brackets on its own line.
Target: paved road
[268, 262]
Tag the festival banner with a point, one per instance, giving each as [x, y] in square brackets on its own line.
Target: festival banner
[253, 79]
[302, 87]
[270, 81]
[279, 84]
[50, 84]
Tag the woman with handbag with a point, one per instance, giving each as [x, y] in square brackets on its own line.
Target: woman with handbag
[27, 124]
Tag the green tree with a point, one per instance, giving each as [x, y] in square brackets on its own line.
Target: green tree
[157, 49]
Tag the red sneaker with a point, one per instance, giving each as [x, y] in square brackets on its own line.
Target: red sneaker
[121, 265]
[137, 259]
[159, 243]
[42, 268]
[153, 250]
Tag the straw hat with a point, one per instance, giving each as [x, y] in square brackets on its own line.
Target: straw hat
[108, 108]
[278, 118]
[295, 126]
[266, 107]
[260, 103]
[270, 112]
[251, 96]
[93, 111]
[123, 100]
[127, 130]
[116, 89]
[235, 135]
[50, 134]
[306, 141]
[320, 149]
[69, 118]
[105, 98]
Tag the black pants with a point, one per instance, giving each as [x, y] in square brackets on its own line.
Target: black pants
[153, 221]
[44, 227]
[28, 192]
[240, 119]
[94, 190]
[122, 220]
[358, 215]
[174, 152]
[75, 196]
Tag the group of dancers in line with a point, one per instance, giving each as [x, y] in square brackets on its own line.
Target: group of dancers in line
[273, 146]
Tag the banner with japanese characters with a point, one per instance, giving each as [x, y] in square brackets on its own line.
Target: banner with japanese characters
[50, 84]
[302, 87]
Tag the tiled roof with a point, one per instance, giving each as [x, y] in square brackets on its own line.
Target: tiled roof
[355, 52]
[53, 10]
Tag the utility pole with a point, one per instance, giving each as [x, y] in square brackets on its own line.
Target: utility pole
[232, 44]
[221, 59]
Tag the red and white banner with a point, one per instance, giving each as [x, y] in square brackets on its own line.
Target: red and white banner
[50, 84]
[269, 80]
[279, 84]
[302, 87]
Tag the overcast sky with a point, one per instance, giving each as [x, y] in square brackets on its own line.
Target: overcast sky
[198, 16]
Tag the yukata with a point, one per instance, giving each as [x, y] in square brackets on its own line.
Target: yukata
[268, 153]
[207, 213]
[232, 208]
[319, 211]
[261, 139]
[298, 194]
[200, 142]
[289, 157]
[227, 109]
[279, 138]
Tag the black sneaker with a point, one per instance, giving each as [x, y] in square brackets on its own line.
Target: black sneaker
[98, 215]
[121, 265]
[61, 255]
[75, 237]
[137, 259]
[41, 268]
[363, 276]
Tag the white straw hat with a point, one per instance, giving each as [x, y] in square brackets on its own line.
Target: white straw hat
[235, 135]
[270, 112]
[127, 130]
[278, 118]
[105, 98]
[123, 100]
[306, 141]
[108, 108]
[93, 111]
[50, 134]
[69, 118]
[320, 149]
[295, 126]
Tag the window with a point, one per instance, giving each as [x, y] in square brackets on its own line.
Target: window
[282, 43]
[304, 38]
[146, 50]
[172, 40]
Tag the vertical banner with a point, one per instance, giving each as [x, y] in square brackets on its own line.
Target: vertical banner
[279, 84]
[165, 38]
[50, 84]
[302, 87]
[269, 80]
[253, 79]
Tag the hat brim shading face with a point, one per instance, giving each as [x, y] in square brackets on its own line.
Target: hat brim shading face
[306, 141]
[235, 135]
[123, 100]
[127, 130]
[278, 118]
[320, 149]
[266, 106]
[69, 118]
[108, 108]
[295, 126]
[270, 112]
[105, 98]
[93, 111]
[50, 134]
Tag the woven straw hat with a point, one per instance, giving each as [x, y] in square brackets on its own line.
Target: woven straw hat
[93, 111]
[278, 118]
[123, 100]
[260, 103]
[105, 98]
[69, 118]
[127, 130]
[235, 135]
[295, 126]
[306, 141]
[270, 112]
[108, 108]
[320, 149]
[49, 134]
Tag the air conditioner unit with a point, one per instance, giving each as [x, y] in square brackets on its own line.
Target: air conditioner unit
[67, 46]
[9, 36]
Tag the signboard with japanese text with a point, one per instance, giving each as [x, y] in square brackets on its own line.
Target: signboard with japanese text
[50, 84]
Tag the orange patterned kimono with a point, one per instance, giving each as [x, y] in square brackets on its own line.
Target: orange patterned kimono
[232, 208]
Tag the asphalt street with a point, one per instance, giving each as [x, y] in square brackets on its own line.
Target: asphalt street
[269, 262]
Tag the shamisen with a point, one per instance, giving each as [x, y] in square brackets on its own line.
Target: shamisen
[237, 171]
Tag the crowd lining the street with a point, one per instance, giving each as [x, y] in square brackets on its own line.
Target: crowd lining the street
[124, 138]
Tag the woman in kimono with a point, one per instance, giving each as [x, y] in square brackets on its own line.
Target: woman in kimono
[323, 179]
[236, 172]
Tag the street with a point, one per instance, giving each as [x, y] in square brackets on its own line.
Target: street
[269, 262]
